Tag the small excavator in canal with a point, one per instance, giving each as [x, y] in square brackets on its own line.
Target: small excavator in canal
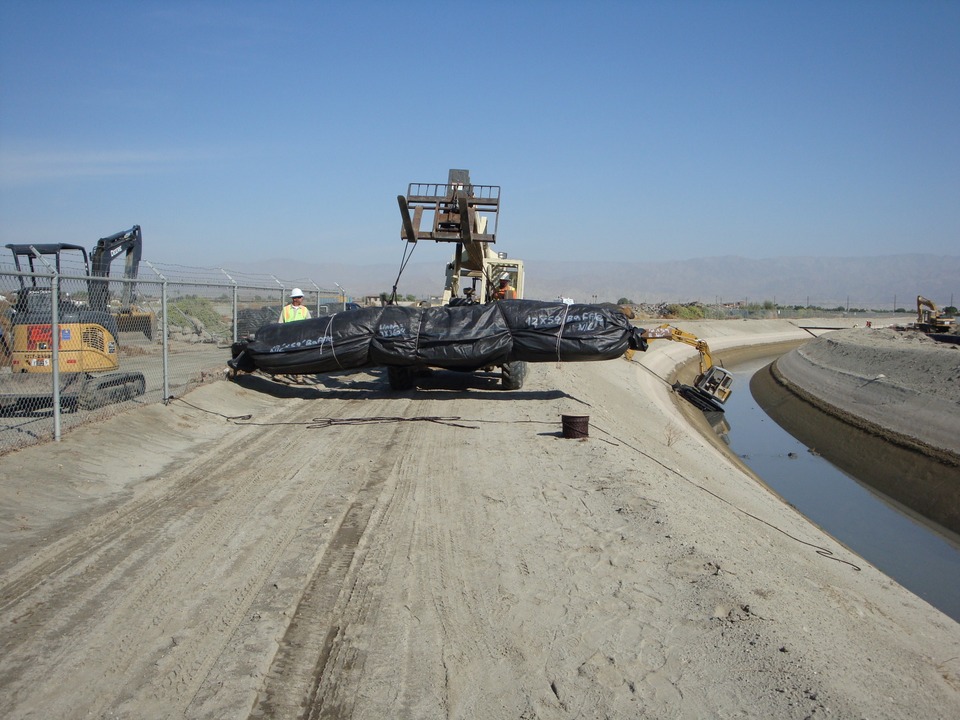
[87, 348]
[712, 386]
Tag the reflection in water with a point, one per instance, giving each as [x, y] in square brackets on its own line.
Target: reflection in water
[718, 421]
[919, 557]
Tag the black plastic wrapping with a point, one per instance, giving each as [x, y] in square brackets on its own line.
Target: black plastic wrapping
[462, 337]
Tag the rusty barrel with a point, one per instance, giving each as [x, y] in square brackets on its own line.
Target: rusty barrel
[575, 426]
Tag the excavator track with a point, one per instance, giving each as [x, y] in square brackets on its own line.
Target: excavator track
[30, 392]
[697, 398]
[109, 388]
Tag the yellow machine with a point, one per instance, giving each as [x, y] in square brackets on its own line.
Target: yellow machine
[930, 320]
[465, 214]
[711, 388]
[88, 354]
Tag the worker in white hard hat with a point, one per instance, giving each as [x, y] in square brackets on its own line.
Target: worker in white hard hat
[506, 291]
[296, 310]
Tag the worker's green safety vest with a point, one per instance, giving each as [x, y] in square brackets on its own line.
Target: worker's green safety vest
[292, 312]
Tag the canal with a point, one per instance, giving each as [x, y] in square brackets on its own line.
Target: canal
[918, 554]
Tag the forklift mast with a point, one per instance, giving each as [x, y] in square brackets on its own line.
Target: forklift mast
[465, 214]
[457, 211]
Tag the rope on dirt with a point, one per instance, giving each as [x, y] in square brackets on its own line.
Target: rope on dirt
[209, 412]
[329, 422]
[820, 550]
[321, 422]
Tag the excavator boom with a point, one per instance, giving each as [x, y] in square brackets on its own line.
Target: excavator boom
[129, 244]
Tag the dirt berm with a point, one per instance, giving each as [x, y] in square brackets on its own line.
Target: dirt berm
[337, 550]
[900, 383]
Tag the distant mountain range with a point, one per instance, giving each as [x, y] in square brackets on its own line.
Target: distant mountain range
[864, 282]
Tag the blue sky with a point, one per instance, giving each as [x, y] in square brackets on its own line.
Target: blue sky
[244, 131]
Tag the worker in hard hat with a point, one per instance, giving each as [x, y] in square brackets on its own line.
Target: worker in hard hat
[505, 291]
[296, 310]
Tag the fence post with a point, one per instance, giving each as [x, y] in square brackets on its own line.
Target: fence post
[234, 282]
[54, 340]
[282, 292]
[163, 333]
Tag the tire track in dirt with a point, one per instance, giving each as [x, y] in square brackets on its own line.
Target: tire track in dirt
[128, 574]
[300, 682]
[183, 674]
[420, 588]
[73, 561]
[125, 572]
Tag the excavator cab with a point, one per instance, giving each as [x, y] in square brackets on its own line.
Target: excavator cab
[715, 382]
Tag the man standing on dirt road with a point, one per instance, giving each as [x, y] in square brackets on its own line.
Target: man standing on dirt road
[296, 310]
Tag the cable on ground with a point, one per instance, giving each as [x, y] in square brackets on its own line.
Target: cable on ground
[820, 550]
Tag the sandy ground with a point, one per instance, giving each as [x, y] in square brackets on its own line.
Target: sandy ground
[340, 551]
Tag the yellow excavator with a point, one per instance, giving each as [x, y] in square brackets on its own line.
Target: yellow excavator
[712, 386]
[87, 349]
[930, 319]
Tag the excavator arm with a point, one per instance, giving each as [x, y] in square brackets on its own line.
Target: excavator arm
[128, 243]
[676, 334]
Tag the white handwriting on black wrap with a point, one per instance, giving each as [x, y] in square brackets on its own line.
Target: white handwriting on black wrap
[587, 321]
[391, 330]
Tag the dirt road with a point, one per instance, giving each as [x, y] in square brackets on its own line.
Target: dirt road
[345, 552]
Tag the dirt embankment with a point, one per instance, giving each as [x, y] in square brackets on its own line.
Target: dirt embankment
[341, 550]
[898, 384]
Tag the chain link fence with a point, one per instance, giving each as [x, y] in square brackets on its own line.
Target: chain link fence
[121, 343]
[126, 342]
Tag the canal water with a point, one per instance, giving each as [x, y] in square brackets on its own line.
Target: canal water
[918, 554]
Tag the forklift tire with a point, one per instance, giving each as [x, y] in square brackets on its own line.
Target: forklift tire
[401, 378]
[513, 374]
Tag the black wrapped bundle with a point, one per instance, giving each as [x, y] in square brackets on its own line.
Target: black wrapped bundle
[464, 337]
